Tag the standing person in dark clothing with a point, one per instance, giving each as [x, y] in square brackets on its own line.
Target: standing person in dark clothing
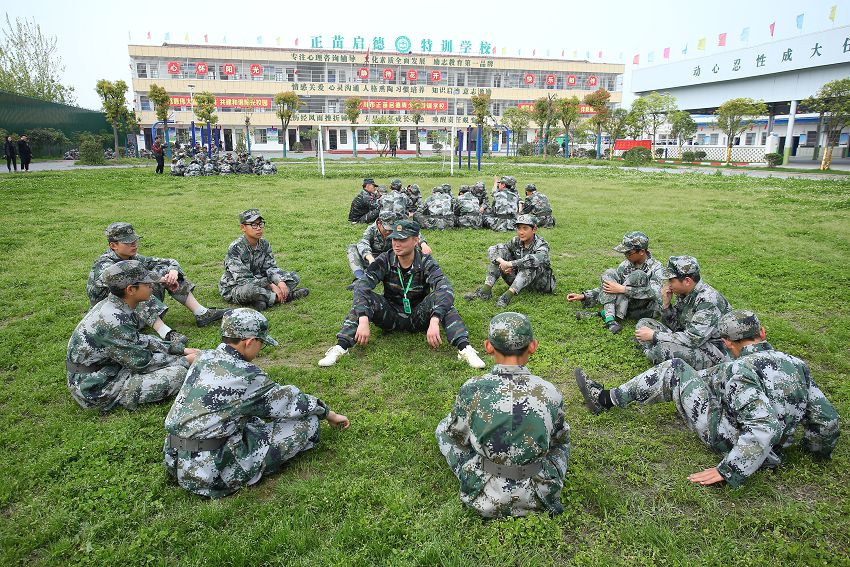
[159, 153]
[10, 152]
[25, 152]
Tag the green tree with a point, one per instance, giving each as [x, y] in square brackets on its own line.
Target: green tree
[205, 107]
[682, 126]
[382, 136]
[736, 115]
[416, 116]
[30, 65]
[832, 101]
[112, 95]
[517, 120]
[567, 110]
[544, 114]
[637, 119]
[658, 108]
[287, 103]
[161, 101]
[616, 124]
[352, 113]
[598, 100]
[480, 111]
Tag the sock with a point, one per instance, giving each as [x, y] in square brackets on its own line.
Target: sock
[343, 343]
[609, 319]
[486, 287]
[358, 274]
[462, 345]
[605, 399]
[199, 310]
[163, 330]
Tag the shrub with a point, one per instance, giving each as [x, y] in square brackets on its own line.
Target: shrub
[591, 153]
[700, 155]
[688, 156]
[436, 147]
[637, 156]
[553, 149]
[773, 159]
[659, 152]
[525, 149]
[91, 151]
[297, 147]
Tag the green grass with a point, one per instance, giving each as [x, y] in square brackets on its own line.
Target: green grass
[83, 488]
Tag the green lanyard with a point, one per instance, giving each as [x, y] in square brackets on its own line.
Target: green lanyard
[405, 302]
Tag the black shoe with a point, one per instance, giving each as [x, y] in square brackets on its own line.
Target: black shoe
[212, 315]
[504, 299]
[586, 315]
[350, 287]
[175, 337]
[614, 326]
[590, 390]
[297, 294]
[259, 305]
[479, 293]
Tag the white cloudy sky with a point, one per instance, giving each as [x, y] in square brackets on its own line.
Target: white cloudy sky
[93, 35]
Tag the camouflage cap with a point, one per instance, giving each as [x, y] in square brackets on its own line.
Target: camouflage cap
[530, 188]
[414, 188]
[245, 323]
[368, 181]
[463, 189]
[395, 184]
[634, 240]
[478, 185]
[446, 188]
[127, 272]
[387, 217]
[739, 324]
[530, 220]
[249, 216]
[404, 229]
[681, 266]
[121, 232]
[508, 180]
[510, 331]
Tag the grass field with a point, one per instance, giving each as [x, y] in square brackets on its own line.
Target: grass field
[79, 487]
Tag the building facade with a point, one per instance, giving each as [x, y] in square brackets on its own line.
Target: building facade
[245, 80]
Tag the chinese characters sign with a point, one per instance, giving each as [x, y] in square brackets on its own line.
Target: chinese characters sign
[427, 105]
[403, 44]
[227, 101]
[582, 108]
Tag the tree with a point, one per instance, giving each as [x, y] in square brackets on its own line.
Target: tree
[637, 119]
[29, 64]
[682, 126]
[416, 117]
[287, 103]
[480, 111]
[658, 107]
[517, 120]
[205, 107]
[383, 136]
[161, 101]
[832, 101]
[616, 124]
[112, 95]
[736, 115]
[598, 100]
[544, 115]
[568, 112]
[352, 113]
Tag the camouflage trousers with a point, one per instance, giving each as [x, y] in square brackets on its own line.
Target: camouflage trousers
[501, 223]
[701, 357]
[438, 223]
[391, 317]
[258, 448]
[535, 279]
[154, 308]
[256, 291]
[621, 306]
[127, 389]
[469, 221]
[676, 381]
[545, 221]
[355, 260]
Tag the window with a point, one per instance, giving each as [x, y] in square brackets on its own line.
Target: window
[290, 75]
[811, 138]
[714, 140]
[764, 138]
[260, 136]
[497, 80]
[141, 70]
[497, 109]
[332, 106]
[750, 139]
[362, 136]
[331, 75]
[281, 135]
[145, 103]
[461, 79]
[343, 136]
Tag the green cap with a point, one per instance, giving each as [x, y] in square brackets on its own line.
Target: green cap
[404, 229]
[127, 272]
[530, 220]
[739, 324]
[530, 188]
[245, 323]
[510, 331]
[395, 184]
[249, 216]
[478, 185]
[681, 266]
[388, 217]
[121, 232]
[635, 240]
[368, 181]
[414, 188]
[508, 180]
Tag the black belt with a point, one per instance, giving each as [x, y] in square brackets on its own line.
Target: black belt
[194, 445]
[506, 216]
[75, 368]
[512, 472]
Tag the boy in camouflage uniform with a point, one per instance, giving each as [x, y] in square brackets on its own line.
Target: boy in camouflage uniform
[537, 204]
[467, 209]
[251, 276]
[123, 245]
[506, 438]
[414, 196]
[480, 193]
[632, 290]
[437, 210]
[505, 207]
[230, 425]
[523, 262]
[747, 409]
[689, 328]
[396, 201]
[364, 207]
[417, 297]
[374, 242]
[108, 362]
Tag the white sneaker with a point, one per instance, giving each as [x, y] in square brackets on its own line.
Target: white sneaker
[333, 354]
[470, 355]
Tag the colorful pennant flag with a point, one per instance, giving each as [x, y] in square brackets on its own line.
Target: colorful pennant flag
[721, 40]
[800, 21]
[167, 36]
[277, 41]
[650, 57]
[772, 28]
[206, 38]
[186, 37]
[666, 53]
[832, 13]
[600, 55]
[636, 59]
[575, 53]
[745, 34]
[296, 42]
[504, 51]
[149, 35]
[701, 44]
[259, 40]
[128, 35]
[685, 50]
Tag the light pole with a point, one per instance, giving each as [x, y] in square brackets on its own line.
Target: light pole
[192, 109]
[452, 141]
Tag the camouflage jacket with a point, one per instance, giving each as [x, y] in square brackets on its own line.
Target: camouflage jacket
[693, 319]
[244, 265]
[225, 396]
[374, 243]
[396, 202]
[537, 204]
[758, 401]
[510, 417]
[364, 207]
[652, 267]
[97, 291]
[535, 255]
[427, 278]
[505, 204]
[108, 338]
[414, 201]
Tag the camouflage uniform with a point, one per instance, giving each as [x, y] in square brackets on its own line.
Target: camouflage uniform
[154, 308]
[531, 265]
[248, 272]
[437, 210]
[506, 438]
[689, 328]
[537, 204]
[480, 193]
[372, 243]
[109, 363]
[364, 207]
[642, 298]
[414, 196]
[252, 424]
[467, 211]
[502, 218]
[396, 201]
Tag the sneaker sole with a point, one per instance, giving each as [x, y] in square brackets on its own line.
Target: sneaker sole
[581, 380]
